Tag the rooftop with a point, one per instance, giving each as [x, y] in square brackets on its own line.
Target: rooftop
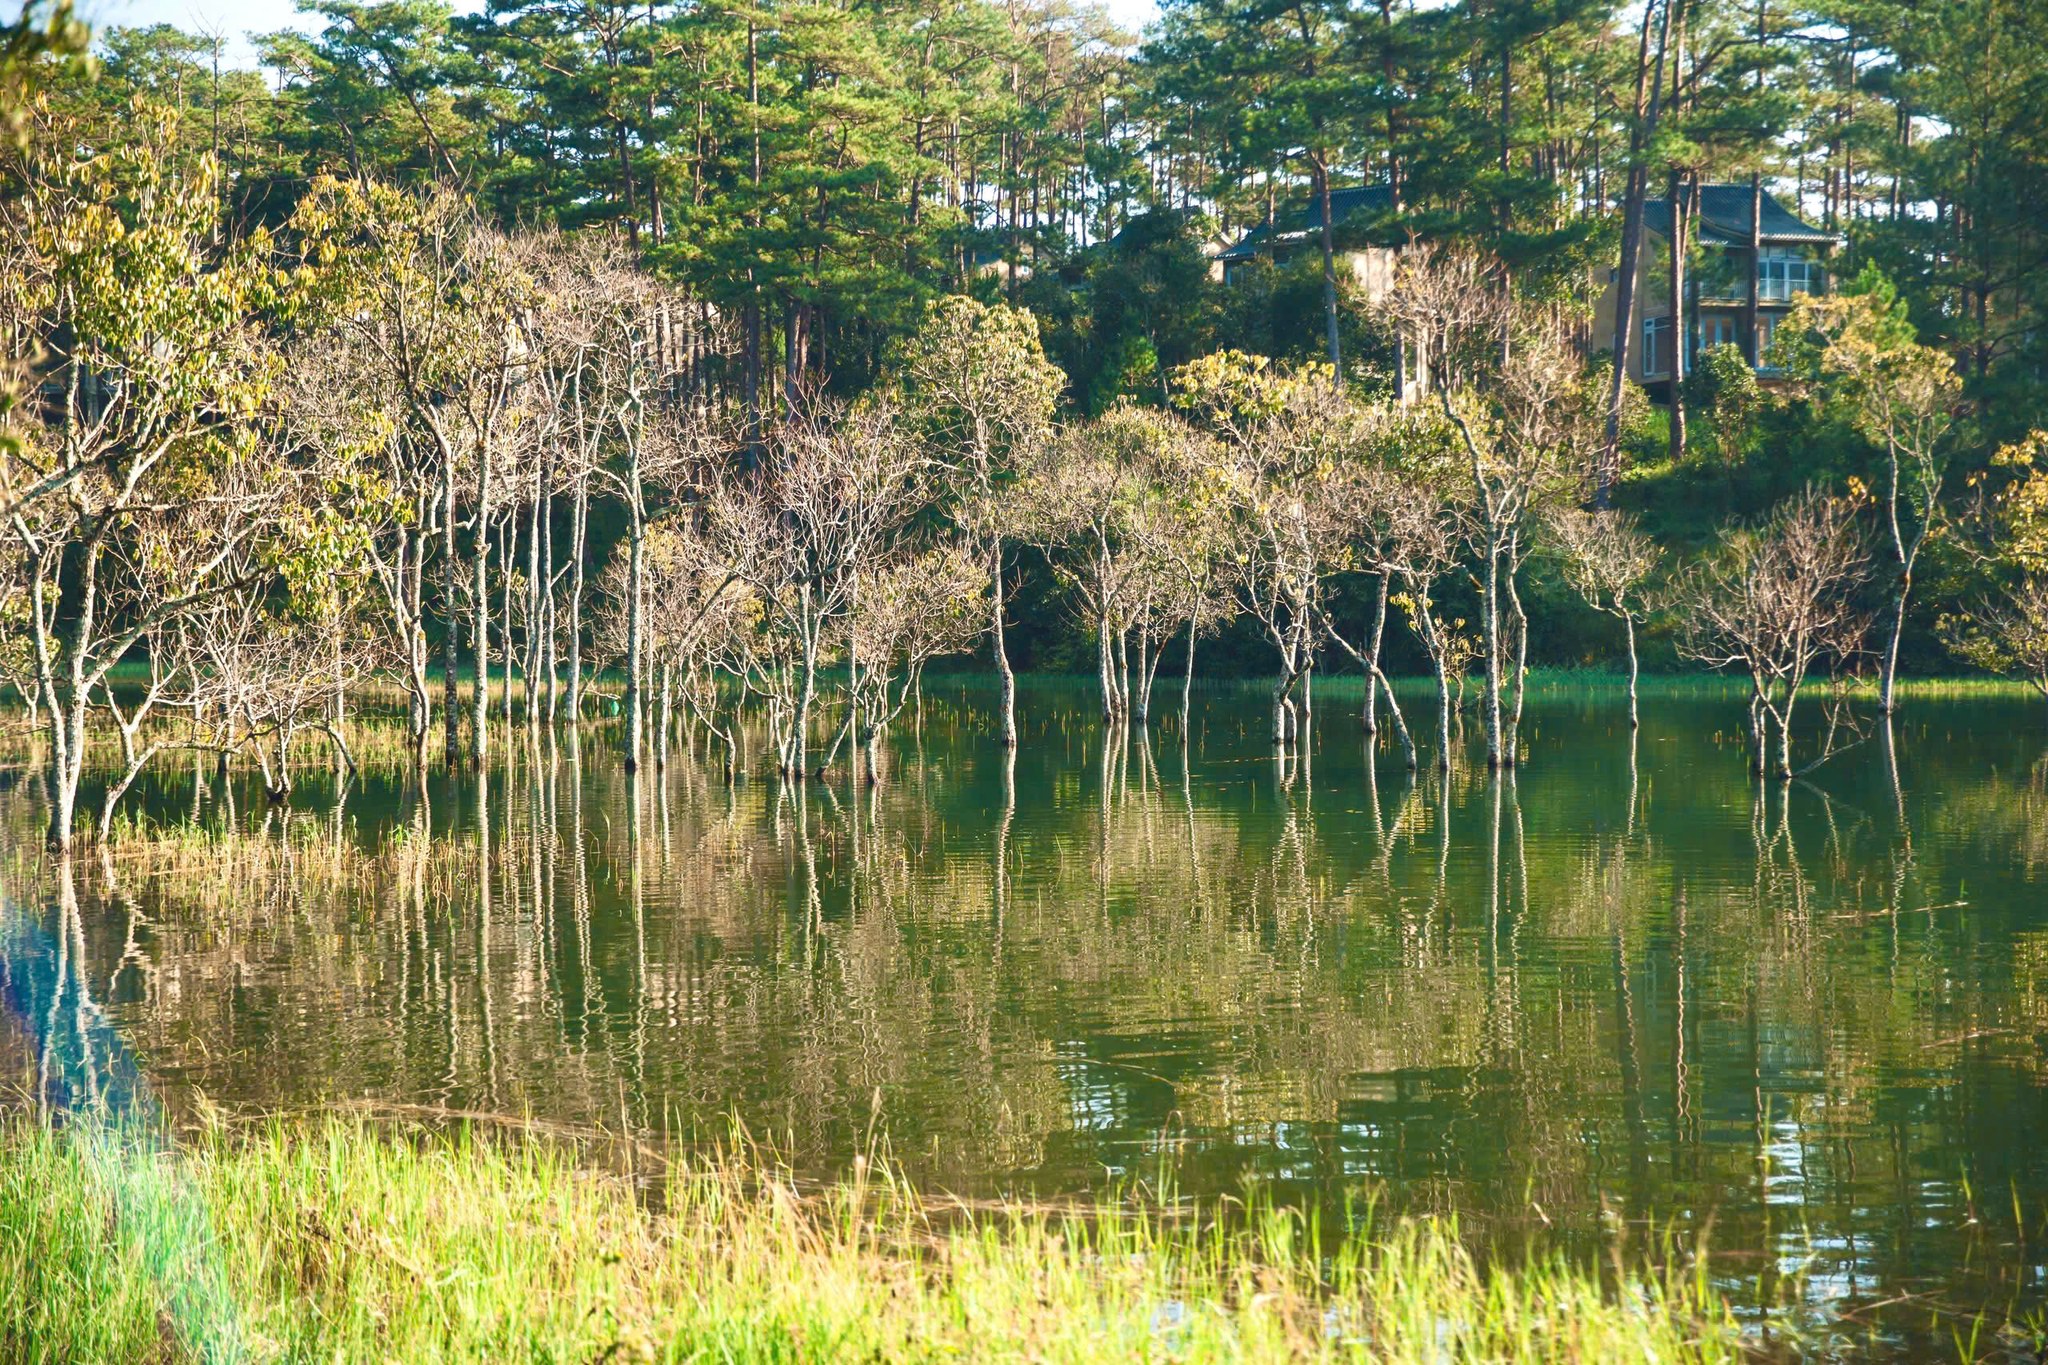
[1724, 216]
[1304, 218]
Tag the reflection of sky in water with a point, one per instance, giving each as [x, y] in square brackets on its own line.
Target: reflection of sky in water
[85, 1079]
[1598, 990]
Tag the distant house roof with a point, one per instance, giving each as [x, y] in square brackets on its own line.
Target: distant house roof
[1305, 218]
[1724, 217]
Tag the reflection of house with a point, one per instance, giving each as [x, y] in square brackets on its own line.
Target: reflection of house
[1300, 230]
[1730, 259]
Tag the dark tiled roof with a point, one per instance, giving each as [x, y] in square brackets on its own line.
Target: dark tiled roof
[1307, 217]
[1724, 217]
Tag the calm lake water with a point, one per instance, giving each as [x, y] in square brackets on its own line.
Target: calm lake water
[1626, 990]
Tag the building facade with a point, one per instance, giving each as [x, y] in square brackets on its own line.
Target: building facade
[1739, 280]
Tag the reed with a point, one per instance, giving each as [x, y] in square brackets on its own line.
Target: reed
[328, 1238]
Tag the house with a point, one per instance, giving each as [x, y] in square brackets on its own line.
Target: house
[1301, 228]
[1736, 251]
[1785, 259]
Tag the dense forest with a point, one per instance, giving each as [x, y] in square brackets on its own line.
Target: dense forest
[752, 357]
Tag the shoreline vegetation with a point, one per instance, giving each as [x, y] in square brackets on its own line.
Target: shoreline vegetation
[329, 1238]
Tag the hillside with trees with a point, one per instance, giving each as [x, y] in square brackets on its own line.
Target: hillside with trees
[718, 358]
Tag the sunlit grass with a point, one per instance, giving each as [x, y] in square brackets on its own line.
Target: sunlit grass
[333, 1240]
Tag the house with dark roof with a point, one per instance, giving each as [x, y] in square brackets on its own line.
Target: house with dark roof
[1777, 257]
[1751, 260]
[1300, 229]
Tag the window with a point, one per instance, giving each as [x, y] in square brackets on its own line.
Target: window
[1712, 329]
[1766, 333]
[1656, 345]
[1781, 273]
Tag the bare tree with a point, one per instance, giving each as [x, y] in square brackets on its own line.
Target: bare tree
[1607, 559]
[1084, 495]
[615, 348]
[1859, 350]
[1285, 437]
[831, 500]
[910, 610]
[1514, 390]
[1778, 600]
[1185, 532]
[433, 302]
[1412, 533]
[130, 505]
[977, 382]
[2007, 635]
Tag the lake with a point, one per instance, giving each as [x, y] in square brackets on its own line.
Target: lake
[1627, 991]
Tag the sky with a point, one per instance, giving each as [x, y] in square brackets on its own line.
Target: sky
[237, 18]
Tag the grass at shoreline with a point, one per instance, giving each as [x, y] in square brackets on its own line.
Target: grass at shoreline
[330, 1240]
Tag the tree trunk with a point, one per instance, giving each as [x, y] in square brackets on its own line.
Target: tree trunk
[480, 614]
[668, 680]
[536, 594]
[1006, 677]
[1490, 621]
[1887, 693]
[636, 596]
[1628, 623]
[1752, 345]
[1329, 245]
[1401, 734]
[1105, 670]
[1648, 104]
[1368, 716]
[579, 535]
[1681, 335]
[451, 704]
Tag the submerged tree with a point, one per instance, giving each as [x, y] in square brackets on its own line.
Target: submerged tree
[830, 502]
[2008, 633]
[431, 303]
[1777, 600]
[1607, 559]
[131, 505]
[1862, 355]
[1516, 393]
[977, 384]
[1286, 438]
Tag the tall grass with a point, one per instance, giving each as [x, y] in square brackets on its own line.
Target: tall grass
[331, 1240]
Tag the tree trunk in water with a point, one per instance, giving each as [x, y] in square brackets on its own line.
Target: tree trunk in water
[1401, 734]
[1005, 675]
[1369, 716]
[480, 616]
[636, 536]
[1443, 719]
[1105, 671]
[1629, 625]
[1490, 613]
[668, 681]
[1887, 693]
[67, 741]
[451, 705]
[577, 539]
[536, 604]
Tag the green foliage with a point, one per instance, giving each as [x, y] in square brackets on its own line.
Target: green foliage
[1723, 388]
